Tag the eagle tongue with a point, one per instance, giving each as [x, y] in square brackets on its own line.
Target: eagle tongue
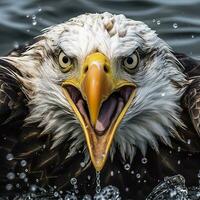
[105, 115]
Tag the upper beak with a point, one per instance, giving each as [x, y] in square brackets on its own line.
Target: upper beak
[97, 84]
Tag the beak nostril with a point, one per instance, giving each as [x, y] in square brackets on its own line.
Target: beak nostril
[86, 69]
[105, 67]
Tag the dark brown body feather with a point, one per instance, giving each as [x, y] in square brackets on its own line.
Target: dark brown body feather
[45, 166]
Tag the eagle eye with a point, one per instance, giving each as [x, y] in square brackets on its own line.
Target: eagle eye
[131, 61]
[65, 62]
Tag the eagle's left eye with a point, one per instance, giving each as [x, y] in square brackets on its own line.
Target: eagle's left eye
[131, 62]
[65, 62]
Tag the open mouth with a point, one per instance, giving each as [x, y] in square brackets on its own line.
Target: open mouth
[100, 100]
[109, 111]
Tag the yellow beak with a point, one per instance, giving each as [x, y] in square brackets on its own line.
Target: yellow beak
[97, 85]
[99, 88]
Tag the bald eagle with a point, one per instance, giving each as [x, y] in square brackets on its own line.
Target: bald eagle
[99, 92]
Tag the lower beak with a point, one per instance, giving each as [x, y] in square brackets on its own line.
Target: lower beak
[100, 102]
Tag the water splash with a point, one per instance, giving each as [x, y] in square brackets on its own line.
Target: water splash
[172, 188]
[37, 193]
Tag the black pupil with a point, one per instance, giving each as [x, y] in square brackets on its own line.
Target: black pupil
[129, 60]
[65, 59]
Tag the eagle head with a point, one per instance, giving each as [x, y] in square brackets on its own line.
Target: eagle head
[101, 82]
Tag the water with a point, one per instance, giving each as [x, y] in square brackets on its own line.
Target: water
[171, 188]
[177, 22]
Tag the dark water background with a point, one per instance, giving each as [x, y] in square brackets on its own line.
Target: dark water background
[176, 21]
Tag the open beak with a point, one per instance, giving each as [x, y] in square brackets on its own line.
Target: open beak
[100, 101]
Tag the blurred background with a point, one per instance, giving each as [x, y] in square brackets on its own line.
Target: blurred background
[176, 21]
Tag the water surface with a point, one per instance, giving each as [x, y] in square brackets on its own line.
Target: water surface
[177, 22]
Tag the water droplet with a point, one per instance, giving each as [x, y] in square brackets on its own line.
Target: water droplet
[154, 20]
[192, 36]
[88, 177]
[27, 16]
[9, 186]
[34, 22]
[98, 182]
[33, 17]
[179, 149]
[82, 164]
[188, 141]
[126, 189]
[127, 166]
[23, 163]
[144, 160]
[132, 172]
[17, 185]
[26, 180]
[33, 188]
[56, 194]
[16, 45]
[9, 156]
[112, 173]
[178, 162]
[73, 181]
[39, 9]
[22, 175]
[76, 191]
[26, 170]
[158, 22]
[138, 175]
[163, 94]
[118, 172]
[175, 25]
[10, 175]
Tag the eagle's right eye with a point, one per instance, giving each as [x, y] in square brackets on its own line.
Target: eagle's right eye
[65, 62]
[131, 62]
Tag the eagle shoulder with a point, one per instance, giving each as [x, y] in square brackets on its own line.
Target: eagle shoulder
[11, 96]
[192, 93]
[192, 101]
